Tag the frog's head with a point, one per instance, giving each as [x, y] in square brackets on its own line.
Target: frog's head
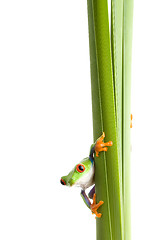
[81, 175]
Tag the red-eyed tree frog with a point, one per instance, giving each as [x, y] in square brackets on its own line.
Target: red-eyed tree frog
[83, 175]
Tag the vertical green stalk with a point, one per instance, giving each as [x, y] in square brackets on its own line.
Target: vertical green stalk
[127, 58]
[106, 233]
[116, 44]
[111, 90]
[107, 178]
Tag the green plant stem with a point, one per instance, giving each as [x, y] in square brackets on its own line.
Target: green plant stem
[107, 177]
[127, 58]
[116, 44]
[97, 123]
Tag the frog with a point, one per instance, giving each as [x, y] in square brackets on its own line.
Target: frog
[83, 175]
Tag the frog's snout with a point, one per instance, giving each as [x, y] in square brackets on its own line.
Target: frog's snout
[62, 182]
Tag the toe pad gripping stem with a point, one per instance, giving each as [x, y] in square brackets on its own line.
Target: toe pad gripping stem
[94, 207]
[100, 146]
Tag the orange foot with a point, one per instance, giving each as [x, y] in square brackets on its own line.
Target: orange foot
[131, 121]
[95, 206]
[101, 146]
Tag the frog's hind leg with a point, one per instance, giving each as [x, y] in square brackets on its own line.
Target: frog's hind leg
[91, 193]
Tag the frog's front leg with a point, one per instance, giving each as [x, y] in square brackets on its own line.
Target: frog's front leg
[85, 198]
[94, 206]
[91, 193]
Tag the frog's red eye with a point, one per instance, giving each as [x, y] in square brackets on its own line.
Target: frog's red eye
[80, 168]
[62, 182]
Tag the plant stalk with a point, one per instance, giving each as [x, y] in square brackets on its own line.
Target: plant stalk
[107, 177]
[127, 59]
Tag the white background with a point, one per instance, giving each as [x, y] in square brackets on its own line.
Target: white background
[46, 119]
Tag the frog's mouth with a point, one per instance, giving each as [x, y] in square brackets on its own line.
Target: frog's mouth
[71, 182]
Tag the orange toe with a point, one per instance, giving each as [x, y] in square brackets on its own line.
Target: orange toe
[101, 146]
[131, 121]
[94, 207]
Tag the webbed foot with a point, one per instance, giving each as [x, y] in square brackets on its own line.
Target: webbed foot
[94, 206]
[101, 146]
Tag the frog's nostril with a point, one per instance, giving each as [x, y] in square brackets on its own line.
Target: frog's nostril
[62, 182]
